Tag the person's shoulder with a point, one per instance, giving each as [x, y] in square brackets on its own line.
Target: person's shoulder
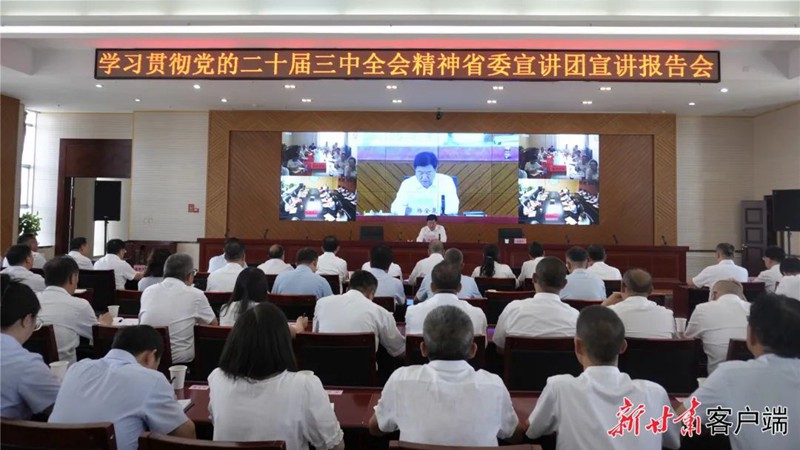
[560, 381]
[486, 377]
[649, 386]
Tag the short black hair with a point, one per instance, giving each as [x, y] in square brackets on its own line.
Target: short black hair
[725, 249]
[259, 345]
[306, 255]
[275, 251]
[426, 159]
[77, 243]
[17, 254]
[156, 261]
[577, 254]
[58, 271]
[139, 339]
[790, 266]
[775, 253]
[596, 252]
[446, 276]
[363, 281]
[775, 320]
[330, 243]
[551, 272]
[602, 333]
[25, 238]
[114, 246]
[638, 281]
[431, 217]
[380, 257]
[234, 250]
[18, 301]
[536, 249]
[251, 287]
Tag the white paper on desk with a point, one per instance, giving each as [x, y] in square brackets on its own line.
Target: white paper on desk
[123, 322]
[198, 387]
[79, 291]
[185, 404]
[334, 392]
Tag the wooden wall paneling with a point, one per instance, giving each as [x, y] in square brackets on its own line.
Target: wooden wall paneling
[9, 142]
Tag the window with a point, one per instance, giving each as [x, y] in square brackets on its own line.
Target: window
[26, 169]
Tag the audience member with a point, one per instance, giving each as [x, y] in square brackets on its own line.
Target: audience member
[329, 263]
[275, 264]
[154, 273]
[536, 254]
[176, 304]
[469, 289]
[79, 251]
[769, 384]
[257, 393]
[218, 262]
[303, 280]
[790, 283]
[224, 278]
[725, 269]
[125, 388]
[598, 266]
[773, 257]
[719, 320]
[643, 318]
[432, 231]
[27, 386]
[395, 271]
[20, 263]
[114, 260]
[29, 239]
[584, 410]
[544, 315]
[491, 268]
[582, 285]
[424, 266]
[445, 284]
[388, 286]
[72, 317]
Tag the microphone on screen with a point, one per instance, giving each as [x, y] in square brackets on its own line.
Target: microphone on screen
[567, 237]
[266, 232]
[616, 241]
[663, 240]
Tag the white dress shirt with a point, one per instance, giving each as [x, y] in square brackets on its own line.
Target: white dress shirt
[789, 286]
[229, 314]
[216, 262]
[330, 264]
[770, 277]
[500, 271]
[26, 277]
[27, 386]
[146, 282]
[389, 286]
[416, 314]
[173, 304]
[716, 322]
[428, 235]
[446, 403]
[469, 288]
[71, 317]
[766, 381]
[292, 407]
[724, 270]
[421, 201]
[351, 312]
[544, 315]
[394, 269]
[424, 267]
[604, 271]
[582, 285]
[582, 409]
[528, 269]
[645, 318]
[84, 263]
[122, 270]
[224, 279]
[38, 261]
[275, 266]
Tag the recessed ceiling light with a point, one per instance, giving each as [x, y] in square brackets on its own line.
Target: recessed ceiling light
[724, 90]
[491, 102]
[196, 86]
[98, 85]
[587, 102]
[137, 100]
[397, 100]
[306, 100]
[605, 88]
[391, 87]
[223, 100]
[692, 103]
[497, 88]
[288, 86]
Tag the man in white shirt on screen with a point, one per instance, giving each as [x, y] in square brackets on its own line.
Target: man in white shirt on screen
[115, 252]
[582, 285]
[725, 269]
[536, 254]
[275, 264]
[330, 264]
[598, 266]
[432, 231]
[469, 288]
[78, 249]
[790, 283]
[424, 266]
[224, 278]
[388, 286]
[427, 192]
[643, 318]
[773, 257]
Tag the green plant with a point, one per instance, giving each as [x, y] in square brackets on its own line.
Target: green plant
[30, 223]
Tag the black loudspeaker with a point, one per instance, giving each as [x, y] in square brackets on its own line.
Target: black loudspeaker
[786, 210]
[370, 233]
[107, 199]
[509, 233]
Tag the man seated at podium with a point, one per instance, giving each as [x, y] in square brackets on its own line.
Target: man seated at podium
[432, 231]
[427, 192]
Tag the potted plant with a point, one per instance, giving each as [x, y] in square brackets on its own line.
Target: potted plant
[30, 223]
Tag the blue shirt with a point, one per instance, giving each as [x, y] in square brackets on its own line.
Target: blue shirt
[301, 281]
[469, 289]
[388, 286]
[28, 386]
[118, 389]
[583, 285]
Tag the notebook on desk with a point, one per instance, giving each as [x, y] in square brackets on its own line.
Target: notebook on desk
[185, 404]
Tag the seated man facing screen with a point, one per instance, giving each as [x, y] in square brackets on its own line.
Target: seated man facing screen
[224, 278]
[598, 266]
[303, 280]
[446, 402]
[643, 318]
[388, 286]
[275, 264]
[773, 257]
[79, 251]
[469, 289]
[115, 252]
[581, 284]
[427, 192]
[20, 260]
[424, 266]
[725, 269]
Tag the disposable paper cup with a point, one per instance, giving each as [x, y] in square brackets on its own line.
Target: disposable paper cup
[178, 376]
[680, 325]
[59, 369]
[114, 310]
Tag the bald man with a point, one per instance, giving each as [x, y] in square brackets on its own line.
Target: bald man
[275, 264]
[642, 317]
[720, 320]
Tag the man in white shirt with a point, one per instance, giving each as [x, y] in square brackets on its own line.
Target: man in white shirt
[446, 402]
[536, 254]
[114, 260]
[275, 264]
[78, 249]
[598, 266]
[427, 192]
[176, 304]
[544, 315]
[330, 264]
[582, 285]
[224, 278]
[719, 320]
[445, 284]
[469, 288]
[585, 410]
[725, 269]
[388, 286]
[424, 266]
[394, 270]
[432, 231]
[643, 318]
[773, 257]
[72, 317]
[354, 312]
[767, 386]
[30, 240]
[20, 260]
[790, 283]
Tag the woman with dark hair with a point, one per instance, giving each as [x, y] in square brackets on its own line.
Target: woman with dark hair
[154, 273]
[257, 394]
[491, 268]
[250, 289]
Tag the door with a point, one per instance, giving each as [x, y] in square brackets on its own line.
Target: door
[754, 235]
